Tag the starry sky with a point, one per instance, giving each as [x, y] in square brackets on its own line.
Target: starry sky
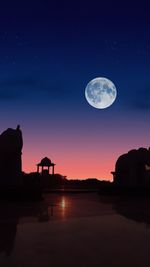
[49, 51]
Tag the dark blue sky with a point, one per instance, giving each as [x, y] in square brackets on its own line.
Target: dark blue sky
[49, 51]
[58, 47]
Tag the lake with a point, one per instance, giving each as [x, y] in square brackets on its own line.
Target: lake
[75, 230]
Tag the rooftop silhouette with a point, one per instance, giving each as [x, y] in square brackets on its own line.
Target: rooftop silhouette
[45, 162]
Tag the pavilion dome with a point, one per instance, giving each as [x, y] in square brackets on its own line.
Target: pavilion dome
[45, 162]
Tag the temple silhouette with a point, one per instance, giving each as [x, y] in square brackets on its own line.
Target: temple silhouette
[46, 166]
[132, 169]
[11, 143]
[13, 181]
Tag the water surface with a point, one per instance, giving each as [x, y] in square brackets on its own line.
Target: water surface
[75, 230]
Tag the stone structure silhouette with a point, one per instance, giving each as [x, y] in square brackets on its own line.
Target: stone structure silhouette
[133, 168]
[11, 143]
[45, 162]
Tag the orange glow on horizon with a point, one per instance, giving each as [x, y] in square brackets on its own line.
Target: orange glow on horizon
[68, 166]
[80, 156]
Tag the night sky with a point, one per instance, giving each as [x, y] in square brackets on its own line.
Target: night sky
[49, 51]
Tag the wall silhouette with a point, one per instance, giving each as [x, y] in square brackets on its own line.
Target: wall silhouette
[130, 168]
[11, 144]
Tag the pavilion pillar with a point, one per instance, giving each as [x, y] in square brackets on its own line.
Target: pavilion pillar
[38, 168]
[53, 169]
[48, 169]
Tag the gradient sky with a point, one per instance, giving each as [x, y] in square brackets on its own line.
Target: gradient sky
[49, 51]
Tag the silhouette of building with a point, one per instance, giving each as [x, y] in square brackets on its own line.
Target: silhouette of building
[46, 165]
[11, 144]
[133, 168]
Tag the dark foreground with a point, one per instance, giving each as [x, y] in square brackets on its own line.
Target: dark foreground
[75, 230]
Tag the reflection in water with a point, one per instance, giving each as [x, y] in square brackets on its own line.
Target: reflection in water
[7, 237]
[63, 203]
[63, 206]
[43, 216]
[55, 207]
[133, 208]
[50, 210]
[25, 235]
[8, 228]
[12, 214]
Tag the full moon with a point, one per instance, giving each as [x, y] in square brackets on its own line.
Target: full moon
[100, 93]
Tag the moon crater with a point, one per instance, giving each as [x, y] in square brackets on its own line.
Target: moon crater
[100, 93]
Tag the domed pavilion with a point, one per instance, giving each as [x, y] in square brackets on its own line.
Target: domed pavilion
[46, 164]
